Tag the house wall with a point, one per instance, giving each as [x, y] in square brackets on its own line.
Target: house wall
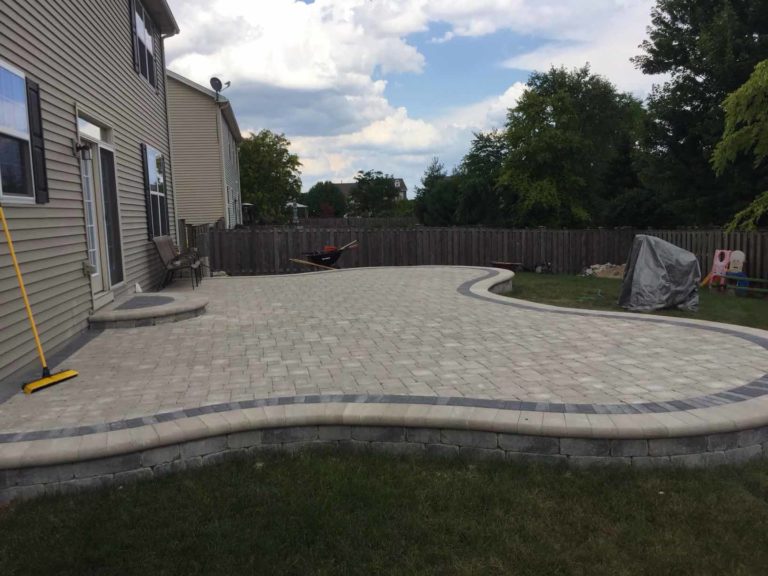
[231, 169]
[80, 53]
[196, 151]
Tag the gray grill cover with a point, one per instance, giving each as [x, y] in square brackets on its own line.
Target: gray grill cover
[660, 275]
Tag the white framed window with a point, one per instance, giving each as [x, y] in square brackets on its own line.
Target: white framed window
[16, 181]
[144, 44]
[156, 193]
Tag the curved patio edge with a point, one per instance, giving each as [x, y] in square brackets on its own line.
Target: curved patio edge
[53, 461]
[32, 468]
[492, 286]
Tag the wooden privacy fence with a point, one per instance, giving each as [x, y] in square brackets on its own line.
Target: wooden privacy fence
[267, 251]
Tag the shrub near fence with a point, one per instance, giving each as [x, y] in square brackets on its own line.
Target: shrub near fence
[267, 251]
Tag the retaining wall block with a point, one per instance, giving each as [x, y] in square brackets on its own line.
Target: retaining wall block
[744, 454]
[378, 433]
[133, 476]
[244, 439]
[334, 433]
[533, 444]
[474, 453]
[398, 448]
[423, 435]
[110, 465]
[162, 455]
[169, 468]
[468, 438]
[722, 442]
[585, 447]
[203, 447]
[700, 460]
[752, 437]
[629, 447]
[598, 461]
[36, 475]
[290, 434]
[311, 445]
[441, 450]
[674, 446]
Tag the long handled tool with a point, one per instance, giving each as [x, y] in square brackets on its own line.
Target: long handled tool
[48, 379]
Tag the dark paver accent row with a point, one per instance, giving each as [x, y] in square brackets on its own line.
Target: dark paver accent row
[757, 388]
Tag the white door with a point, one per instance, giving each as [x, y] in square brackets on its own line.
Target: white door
[93, 219]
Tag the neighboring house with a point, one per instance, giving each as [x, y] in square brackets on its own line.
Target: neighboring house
[84, 161]
[347, 187]
[204, 138]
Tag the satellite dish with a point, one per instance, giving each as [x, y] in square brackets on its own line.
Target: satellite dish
[216, 84]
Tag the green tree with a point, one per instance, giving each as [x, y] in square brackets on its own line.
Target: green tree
[565, 139]
[374, 195]
[269, 174]
[478, 176]
[404, 208]
[441, 202]
[432, 175]
[708, 49]
[325, 199]
[746, 134]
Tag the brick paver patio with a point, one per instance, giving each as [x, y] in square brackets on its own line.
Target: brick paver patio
[396, 331]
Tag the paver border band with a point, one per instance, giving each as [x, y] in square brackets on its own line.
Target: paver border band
[755, 389]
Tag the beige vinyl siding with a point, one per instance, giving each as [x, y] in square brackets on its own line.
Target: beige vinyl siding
[79, 52]
[231, 165]
[198, 178]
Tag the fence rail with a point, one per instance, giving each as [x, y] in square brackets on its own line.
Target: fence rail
[268, 251]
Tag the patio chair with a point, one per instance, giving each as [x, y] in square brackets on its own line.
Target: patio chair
[174, 261]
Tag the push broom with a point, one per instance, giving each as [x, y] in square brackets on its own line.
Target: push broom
[48, 379]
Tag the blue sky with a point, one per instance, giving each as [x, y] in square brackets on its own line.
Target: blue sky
[388, 84]
[458, 73]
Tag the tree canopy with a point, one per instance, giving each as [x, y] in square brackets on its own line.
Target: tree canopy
[325, 200]
[564, 137]
[577, 152]
[708, 49]
[374, 195]
[269, 174]
[746, 134]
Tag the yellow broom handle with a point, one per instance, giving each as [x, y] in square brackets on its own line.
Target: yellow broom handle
[21, 287]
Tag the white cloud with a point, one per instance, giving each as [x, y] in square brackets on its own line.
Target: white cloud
[608, 47]
[315, 70]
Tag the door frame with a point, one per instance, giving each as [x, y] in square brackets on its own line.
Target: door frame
[106, 296]
[111, 149]
[98, 296]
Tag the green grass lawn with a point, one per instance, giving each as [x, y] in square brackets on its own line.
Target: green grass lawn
[341, 513]
[603, 294]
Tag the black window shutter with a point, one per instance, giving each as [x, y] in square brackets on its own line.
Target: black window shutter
[134, 37]
[151, 64]
[38, 142]
[147, 195]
